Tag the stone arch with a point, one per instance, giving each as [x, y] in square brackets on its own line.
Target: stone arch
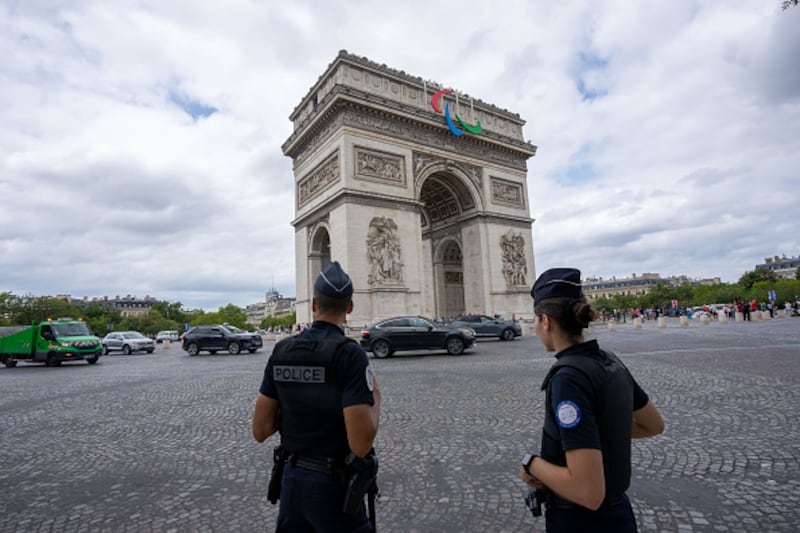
[319, 252]
[448, 273]
[452, 198]
[464, 184]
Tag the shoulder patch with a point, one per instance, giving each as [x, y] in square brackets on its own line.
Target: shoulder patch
[568, 414]
[370, 378]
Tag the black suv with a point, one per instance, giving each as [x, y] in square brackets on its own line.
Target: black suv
[219, 338]
[414, 333]
[486, 326]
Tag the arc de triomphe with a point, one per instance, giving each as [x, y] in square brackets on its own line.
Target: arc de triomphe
[420, 193]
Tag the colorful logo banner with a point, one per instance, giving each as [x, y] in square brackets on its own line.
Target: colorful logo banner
[475, 129]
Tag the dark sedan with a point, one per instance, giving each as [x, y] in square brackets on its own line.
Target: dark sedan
[486, 326]
[414, 333]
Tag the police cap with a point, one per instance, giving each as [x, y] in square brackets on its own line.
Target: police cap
[334, 282]
[557, 283]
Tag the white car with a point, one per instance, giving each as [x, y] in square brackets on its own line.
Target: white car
[171, 336]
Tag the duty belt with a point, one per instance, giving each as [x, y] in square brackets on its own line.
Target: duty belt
[326, 465]
[554, 501]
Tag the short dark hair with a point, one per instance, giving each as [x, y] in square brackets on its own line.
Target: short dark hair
[572, 314]
[326, 304]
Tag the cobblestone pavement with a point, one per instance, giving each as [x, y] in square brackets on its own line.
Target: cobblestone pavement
[162, 442]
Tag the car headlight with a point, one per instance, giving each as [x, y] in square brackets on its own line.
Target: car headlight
[468, 332]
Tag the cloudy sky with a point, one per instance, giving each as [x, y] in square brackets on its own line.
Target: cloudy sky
[140, 140]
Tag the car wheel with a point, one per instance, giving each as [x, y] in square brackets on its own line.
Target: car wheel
[126, 350]
[234, 348]
[381, 349]
[454, 345]
[193, 349]
[105, 350]
[150, 350]
[92, 360]
[52, 360]
[507, 335]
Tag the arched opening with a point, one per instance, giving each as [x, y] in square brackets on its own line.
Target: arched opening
[445, 199]
[320, 254]
[451, 287]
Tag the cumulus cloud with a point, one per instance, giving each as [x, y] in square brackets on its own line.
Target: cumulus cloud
[140, 141]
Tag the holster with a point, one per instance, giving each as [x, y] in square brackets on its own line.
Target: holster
[278, 462]
[361, 474]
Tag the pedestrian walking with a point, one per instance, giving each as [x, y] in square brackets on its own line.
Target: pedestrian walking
[593, 408]
[321, 395]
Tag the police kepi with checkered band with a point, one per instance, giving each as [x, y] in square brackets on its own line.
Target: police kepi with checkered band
[557, 283]
[334, 282]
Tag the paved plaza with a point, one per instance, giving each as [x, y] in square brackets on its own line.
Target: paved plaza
[162, 442]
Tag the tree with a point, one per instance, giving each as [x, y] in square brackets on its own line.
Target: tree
[749, 279]
[273, 322]
[230, 314]
[789, 3]
[170, 311]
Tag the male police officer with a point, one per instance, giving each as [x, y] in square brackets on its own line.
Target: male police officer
[320, 393]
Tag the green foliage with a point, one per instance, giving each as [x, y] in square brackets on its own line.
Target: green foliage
[229, 314]
[287, 321]
[749, 279]
[752, 286]
[170, 311]
[19, 310]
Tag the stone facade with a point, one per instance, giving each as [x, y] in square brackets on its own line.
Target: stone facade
[424, 222]
[782, 267]
[595, 288]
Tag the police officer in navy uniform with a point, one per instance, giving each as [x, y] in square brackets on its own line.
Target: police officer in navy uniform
[319, 392]
[593, 409]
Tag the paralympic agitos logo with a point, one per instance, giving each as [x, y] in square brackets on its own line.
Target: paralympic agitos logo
[475, 129]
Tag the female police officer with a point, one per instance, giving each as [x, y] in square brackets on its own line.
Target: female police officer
[593, 409]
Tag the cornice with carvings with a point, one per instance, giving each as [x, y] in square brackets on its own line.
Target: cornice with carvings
[427, 127]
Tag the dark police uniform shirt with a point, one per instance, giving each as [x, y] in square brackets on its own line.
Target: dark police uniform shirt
[350, 362]
[581, 420]
[571, 386]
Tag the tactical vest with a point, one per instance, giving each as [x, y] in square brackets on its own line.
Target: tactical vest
[311, 420]
[612, 396]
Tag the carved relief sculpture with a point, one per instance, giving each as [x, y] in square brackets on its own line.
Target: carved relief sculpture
[515, 267]
[379, 166]
[319, 179]
[507, 192]
[383, 252]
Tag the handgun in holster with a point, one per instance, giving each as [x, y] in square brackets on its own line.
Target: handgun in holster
[361, 476]
[278, 462]
[534, 501]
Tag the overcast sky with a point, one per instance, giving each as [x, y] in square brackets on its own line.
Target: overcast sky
[140, 140]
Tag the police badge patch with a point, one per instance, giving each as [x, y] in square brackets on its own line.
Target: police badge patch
[370, 378]
[568, 414]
